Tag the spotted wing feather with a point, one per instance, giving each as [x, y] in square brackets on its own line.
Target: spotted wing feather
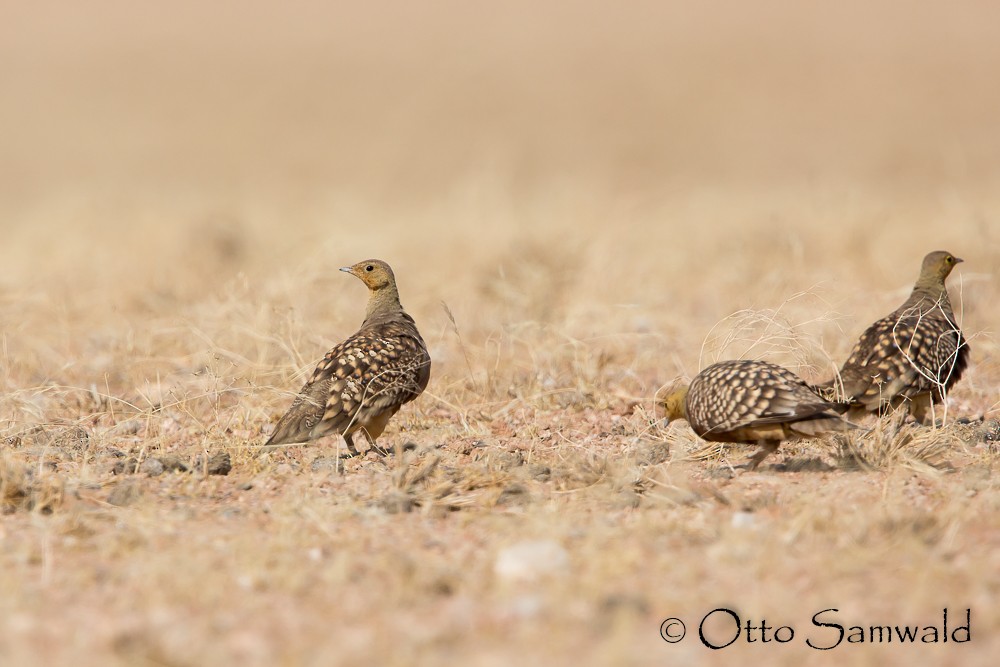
[731, 400]
[373, 372]
[912, 351]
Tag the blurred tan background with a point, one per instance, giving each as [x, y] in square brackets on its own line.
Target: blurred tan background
[409, 101]
[551, 159]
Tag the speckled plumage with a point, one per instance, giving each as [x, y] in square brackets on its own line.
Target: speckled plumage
[361, 383]
[913, 355]
[753, 402]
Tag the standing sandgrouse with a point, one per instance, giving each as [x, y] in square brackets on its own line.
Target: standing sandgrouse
[753, 402]
[915, 354]
[364, 381]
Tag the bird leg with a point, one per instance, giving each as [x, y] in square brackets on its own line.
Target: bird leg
[351, 449]
[373, 429]
[372, 445]
[920, 406]
[766, 448]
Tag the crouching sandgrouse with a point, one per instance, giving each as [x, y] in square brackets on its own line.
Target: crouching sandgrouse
[361, 383]
[754, 402]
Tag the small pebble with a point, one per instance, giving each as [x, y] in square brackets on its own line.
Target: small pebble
[531, 560]
[218, 464]
[152, 467]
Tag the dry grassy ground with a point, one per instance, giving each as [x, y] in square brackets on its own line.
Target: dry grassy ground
[581, 204]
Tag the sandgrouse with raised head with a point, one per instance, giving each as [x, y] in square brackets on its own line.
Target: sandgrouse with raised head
[912, 356]
[753, 402]
[361, 383]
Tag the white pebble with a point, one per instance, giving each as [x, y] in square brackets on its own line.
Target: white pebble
[530, 561]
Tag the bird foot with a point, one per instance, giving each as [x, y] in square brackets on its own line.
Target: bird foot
[766, 449]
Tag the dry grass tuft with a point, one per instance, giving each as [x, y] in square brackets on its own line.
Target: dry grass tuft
[895, 442]
[785, 335]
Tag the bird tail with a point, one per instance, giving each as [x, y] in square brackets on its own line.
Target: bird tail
[288, 430]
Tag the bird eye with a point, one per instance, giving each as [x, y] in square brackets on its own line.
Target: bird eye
[949, 259]
[369, 268]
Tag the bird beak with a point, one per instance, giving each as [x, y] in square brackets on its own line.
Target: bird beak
[959, 260]
[345, 269]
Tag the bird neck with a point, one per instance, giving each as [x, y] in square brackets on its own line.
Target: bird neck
[382, 302]
[930, 288]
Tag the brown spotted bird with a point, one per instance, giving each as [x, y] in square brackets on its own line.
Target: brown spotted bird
[753, 402]
[912, 356]
[364, 381]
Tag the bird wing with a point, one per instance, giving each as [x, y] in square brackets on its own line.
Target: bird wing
[380, 373]
[940, 350]
[905, 353]
[369, 373]
[785, 401]
[741, 396]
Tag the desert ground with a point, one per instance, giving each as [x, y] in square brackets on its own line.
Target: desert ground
[583, 202]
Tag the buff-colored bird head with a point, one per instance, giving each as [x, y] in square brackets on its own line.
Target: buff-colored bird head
[936, 267]
[674, 402]
[374, 273]
[383, 297]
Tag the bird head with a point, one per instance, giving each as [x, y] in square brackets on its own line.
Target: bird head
[937, 265]
[374, 273]
[674, 403]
